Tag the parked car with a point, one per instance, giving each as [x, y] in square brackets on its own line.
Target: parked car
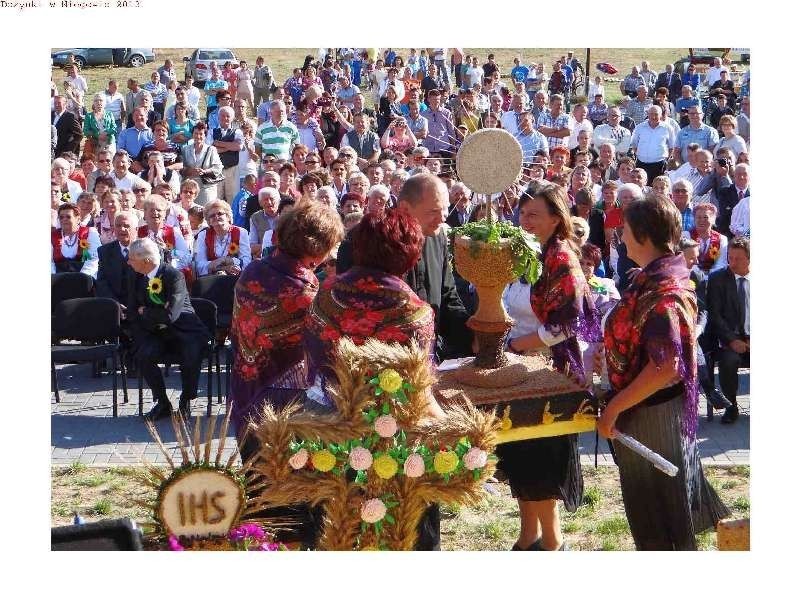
[128, 57]
[198, 65]
[706, 56]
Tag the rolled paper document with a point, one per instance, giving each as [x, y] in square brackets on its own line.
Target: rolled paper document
[658, 461]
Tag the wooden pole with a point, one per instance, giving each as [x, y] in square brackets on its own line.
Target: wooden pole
[587, 70]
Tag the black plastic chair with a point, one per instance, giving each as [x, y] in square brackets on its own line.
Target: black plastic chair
[220, 290]
[207, 312]
[95, 324]
[66, 286]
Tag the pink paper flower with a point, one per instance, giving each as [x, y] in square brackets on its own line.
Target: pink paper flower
[475, 458]
[414, 466]
[385, 426]
[174, 544]
[373, 510]
[299, 459]
[360, 458]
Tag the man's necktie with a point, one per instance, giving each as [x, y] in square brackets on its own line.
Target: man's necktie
[741, 194]
[744, 303]
[125, 253]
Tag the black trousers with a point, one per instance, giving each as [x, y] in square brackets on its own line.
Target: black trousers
[729, 363]
[653, 169]
[150, 349]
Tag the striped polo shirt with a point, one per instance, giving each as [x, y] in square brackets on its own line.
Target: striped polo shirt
[277, 140]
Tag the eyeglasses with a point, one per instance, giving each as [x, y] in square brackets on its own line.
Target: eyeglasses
[139, 191]
[679, 191]
[312, 162]
[217, 214]
[104, 160]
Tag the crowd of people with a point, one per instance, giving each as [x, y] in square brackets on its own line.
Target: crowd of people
[329, 198]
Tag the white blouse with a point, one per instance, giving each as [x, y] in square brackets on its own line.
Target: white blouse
[517, 300]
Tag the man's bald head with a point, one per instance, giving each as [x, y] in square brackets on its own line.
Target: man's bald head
[425, 197]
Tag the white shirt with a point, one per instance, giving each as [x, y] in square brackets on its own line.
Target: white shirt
[618, 137]
[740, 218]
[152, 273]
[127, 182]
[193, 96]
[510, 123]
[682, 172]
[114, 103]
[652, 143]
[712, 75]
[473, 75]
[181, 253]
[517, 300]
[398, 86]
[91, 264]
[221, 244]
[595, 89]
[585, 125]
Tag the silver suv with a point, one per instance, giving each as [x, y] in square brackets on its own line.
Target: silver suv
[198, 65]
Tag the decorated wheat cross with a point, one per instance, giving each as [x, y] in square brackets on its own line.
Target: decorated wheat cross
[377, 463]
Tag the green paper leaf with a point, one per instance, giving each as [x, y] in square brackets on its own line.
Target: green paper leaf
[361, 477]
[389, 519]
[374, 381]
[378, 391]
[385, 408]
[476, 474]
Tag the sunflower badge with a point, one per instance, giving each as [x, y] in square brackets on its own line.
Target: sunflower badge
[233, 249]
[154, 289]
[84, 246]
[713, 253]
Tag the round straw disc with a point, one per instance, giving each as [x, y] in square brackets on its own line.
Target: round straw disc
[489, 161]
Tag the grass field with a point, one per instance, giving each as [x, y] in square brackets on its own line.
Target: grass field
[599, 523]
[283, 60]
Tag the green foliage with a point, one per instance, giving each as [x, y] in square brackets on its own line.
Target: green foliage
[591, 496]
[524, 246]
[102, 507]
[742, 503]
[74, 469]
[616, 525]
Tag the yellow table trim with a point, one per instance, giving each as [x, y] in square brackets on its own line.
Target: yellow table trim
[515, 434]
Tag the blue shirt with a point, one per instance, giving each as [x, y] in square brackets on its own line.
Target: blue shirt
[520, 73]
[693, 80]
[356, 72]
[531, 144]
[569, 74]
[686, 103]
[132, 140]
[213, 85]
[707, 137]
[239, 205]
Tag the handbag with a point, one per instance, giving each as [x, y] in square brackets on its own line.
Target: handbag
[209, 178]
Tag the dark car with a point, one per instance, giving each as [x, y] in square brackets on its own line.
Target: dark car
[120, 57]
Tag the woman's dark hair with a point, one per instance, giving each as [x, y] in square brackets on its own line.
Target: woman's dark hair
[73, 208]
[584, 196]
[287, 167]
[390, 242]
[107, 180]
[591, 252]
[555, 198]
[309, 229]
[309, 178]
[655, 218]
[199, 126]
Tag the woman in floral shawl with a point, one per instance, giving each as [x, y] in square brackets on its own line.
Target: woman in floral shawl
[560, 315]
[371, 300]
[272, 299]
[651, 360]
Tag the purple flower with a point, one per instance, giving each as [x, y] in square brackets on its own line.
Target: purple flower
[245, 531]
[174, 544]
[269, 547]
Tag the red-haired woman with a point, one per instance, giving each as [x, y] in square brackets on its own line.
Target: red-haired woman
[555, 313]
[371, 300]
[559, 156]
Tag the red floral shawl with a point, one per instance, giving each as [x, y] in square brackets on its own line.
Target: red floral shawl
[272, 298]
[562, 301]
[654, 321]
[365, 303]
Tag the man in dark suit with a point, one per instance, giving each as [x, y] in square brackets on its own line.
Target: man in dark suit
[458, 212]
[728, 298]
[728, 197]
[672, 81]
[425, 197]
[705, 376]
[115, 276]
[69, 131]
[163, 321]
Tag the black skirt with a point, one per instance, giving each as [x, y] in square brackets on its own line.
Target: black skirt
[664, 513]
[544, 469]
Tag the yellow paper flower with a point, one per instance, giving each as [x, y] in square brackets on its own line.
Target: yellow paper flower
[233, 248]
[390, 380]
[385, 466]
[445, 462]
[84, 244]
[155, 286]
[323, 460]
